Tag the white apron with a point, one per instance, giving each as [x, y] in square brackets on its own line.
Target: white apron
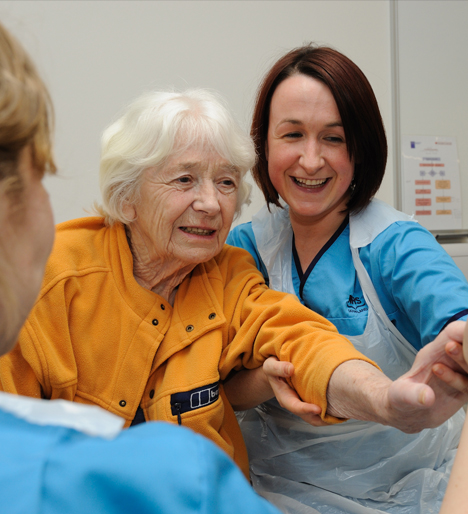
[354, 467]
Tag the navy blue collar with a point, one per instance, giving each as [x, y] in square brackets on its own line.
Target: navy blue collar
[304, 276]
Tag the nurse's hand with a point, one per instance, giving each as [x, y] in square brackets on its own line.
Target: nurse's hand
[277, 372]
[437, 384]
[248, 388]
[458, 353]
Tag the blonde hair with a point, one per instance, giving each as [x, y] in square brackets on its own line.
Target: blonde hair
[26, 118]
[153, 128]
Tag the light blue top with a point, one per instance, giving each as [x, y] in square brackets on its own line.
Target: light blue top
[418, 284]
[153, 468]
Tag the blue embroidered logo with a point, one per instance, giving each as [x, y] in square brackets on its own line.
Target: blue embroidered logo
[194, 399]
[356, 304]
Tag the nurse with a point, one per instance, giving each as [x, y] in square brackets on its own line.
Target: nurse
[380, 277]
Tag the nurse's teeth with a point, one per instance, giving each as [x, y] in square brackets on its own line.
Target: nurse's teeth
[310, 182]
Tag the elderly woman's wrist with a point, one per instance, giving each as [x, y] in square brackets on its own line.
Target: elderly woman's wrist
[359, 390]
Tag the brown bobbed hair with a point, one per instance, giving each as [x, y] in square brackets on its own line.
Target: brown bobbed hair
[362, 123]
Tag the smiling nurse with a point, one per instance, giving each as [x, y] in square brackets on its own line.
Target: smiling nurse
[381, 278]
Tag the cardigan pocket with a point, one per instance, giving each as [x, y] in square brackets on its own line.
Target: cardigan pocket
[192, 400]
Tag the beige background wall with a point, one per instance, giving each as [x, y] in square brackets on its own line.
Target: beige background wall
[433, 75]
[97, 55]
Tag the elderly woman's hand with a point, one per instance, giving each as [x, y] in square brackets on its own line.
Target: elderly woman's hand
[432, 391]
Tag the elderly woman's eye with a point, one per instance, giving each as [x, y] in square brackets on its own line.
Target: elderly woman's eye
[184, 180]
[228, 184]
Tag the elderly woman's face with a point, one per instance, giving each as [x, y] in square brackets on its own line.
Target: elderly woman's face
[187, 207]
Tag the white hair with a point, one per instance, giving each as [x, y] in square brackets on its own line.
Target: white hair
[156, 126]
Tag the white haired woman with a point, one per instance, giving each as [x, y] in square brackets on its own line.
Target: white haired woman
[144, 311]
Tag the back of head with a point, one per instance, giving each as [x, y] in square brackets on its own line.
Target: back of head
[25, 109]
[362, 123]
[157, 126]
[25, 121]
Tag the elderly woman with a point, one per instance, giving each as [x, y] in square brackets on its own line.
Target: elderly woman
[145, 312]
[155, 468]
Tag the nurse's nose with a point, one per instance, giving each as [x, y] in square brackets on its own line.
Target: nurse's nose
[311, 159]
[207, 199]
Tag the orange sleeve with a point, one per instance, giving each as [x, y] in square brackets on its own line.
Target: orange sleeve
[267, 323]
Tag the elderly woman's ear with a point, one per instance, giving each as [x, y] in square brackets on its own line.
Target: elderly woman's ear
[129, 212]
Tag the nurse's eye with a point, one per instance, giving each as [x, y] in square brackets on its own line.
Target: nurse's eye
[335, 139]
[293, 135]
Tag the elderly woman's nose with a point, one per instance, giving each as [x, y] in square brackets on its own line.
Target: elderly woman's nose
[207, 199]
[311, 158]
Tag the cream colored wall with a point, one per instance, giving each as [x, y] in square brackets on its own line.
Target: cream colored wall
[97, 55]
[433, 75]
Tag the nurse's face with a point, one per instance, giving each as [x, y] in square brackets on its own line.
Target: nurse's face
[308, 160]
[26, 240]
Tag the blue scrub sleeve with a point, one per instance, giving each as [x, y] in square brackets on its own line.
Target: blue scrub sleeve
[408, 266]
[152, 469]
[155, 468]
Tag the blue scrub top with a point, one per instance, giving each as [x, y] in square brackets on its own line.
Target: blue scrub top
[418, 284]
[154, 468]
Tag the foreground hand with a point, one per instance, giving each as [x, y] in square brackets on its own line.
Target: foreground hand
[459, 354]
[276, 372]
[435, 387]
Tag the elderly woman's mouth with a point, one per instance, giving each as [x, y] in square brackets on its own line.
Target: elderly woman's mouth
[198, 231]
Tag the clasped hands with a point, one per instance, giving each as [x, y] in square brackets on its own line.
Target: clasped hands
[432, 391]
